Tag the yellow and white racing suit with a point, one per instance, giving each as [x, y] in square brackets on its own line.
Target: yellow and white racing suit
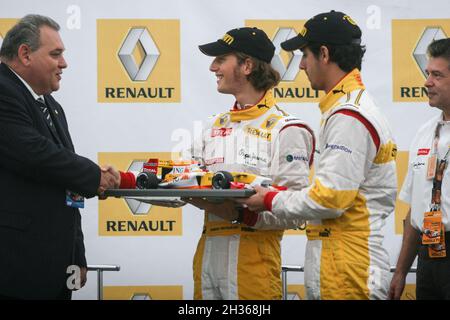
[234, 261]
[353, 191]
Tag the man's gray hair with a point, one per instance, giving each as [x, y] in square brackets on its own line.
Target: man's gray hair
[26, 31]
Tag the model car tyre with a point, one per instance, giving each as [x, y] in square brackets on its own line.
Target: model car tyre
[222, 180]
[147, 180]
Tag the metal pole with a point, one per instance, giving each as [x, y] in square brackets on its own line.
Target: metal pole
[99, 268]
[284, 270]
[100, 284]
[284, 283]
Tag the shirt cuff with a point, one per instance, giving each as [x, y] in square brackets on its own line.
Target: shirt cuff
[127, 180]
[268, 199]
[249, 217]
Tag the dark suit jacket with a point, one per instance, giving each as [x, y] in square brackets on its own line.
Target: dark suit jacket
[40, 236]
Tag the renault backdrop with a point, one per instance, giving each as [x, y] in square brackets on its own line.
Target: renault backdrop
[137, 87]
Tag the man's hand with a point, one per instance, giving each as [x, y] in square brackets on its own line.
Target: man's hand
[256, 202]
[110, 179]
[408, 252]
[397, 286]
[115, 173]
[83, 276]
[225, 210]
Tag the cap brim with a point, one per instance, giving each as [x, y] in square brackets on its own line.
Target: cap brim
[294, 43]
[215, 49]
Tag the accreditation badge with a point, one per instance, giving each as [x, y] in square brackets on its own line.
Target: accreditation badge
[74, 200]
[438, 250]
[432, 226]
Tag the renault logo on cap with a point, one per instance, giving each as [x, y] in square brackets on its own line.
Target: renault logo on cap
[290, 70]
[138, 71]
[420, 51]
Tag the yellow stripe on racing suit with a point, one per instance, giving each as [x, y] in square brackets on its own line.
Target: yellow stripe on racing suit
[236, 261]
[354, 190]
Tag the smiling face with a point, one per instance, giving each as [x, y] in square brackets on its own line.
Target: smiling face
[47, 62]
[438, 83]
[230, 75]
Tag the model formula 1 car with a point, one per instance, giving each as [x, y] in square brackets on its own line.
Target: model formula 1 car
[191, 175]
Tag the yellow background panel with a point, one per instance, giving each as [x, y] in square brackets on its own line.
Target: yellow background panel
[405, 37]
[401, 208]
[5, 25]
[154, 292]
[111, 73]
[301, 81]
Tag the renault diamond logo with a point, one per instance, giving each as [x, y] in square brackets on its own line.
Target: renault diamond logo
[138, 38]
[290, 70]
[141, 296]
[420, 52]
[137, 207]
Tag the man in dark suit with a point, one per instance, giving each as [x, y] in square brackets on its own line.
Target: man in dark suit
[40, 225]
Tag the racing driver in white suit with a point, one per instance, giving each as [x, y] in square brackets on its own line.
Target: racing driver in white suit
[233, 260]
[355, 183]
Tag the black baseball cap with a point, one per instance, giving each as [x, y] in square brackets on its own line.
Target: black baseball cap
[327, 28]
[249, 40]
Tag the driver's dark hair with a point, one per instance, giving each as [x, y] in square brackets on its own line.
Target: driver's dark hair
[347, 57]
[440, 49]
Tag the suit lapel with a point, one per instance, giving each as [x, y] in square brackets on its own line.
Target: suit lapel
[53, 129]
[63, 134]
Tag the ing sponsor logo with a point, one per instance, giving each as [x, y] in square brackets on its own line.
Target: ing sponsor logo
[228, 39]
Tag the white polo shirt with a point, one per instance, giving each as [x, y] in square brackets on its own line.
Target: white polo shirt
[416, 190]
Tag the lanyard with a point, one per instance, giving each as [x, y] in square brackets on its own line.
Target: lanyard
[439, 173]
[433, 234]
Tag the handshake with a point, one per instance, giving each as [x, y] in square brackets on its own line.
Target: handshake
[109, 179]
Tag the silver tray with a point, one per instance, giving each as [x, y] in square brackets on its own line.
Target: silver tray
[182, 193]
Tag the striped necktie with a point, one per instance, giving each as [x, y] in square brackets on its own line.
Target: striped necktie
[46, 112]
